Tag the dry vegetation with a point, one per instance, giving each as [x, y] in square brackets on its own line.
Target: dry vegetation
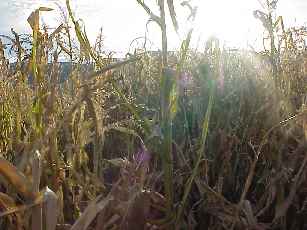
[193, 140]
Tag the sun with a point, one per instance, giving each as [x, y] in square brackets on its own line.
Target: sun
[231, 21]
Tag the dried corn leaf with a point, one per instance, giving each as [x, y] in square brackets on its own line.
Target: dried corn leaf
[16, 178]
[90, 213]
[44, 9]
[33, 19]
[7, 202]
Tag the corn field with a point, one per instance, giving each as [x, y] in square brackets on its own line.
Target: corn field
[188, 139]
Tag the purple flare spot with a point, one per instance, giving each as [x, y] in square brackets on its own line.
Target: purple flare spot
[142, 157]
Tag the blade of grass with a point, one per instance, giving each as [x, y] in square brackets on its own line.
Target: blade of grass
[205, 129]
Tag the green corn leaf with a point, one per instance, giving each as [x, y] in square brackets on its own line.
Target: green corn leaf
[173, 101]
[205, 130]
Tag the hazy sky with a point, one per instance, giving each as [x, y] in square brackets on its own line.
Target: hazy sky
[124, 20]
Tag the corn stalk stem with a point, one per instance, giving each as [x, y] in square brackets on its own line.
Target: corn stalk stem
[37, 221]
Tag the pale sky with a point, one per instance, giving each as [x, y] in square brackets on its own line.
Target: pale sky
[125, 20]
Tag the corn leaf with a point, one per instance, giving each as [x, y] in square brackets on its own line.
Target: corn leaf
[16, 178]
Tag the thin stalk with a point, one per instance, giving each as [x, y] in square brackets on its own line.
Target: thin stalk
[163, 33]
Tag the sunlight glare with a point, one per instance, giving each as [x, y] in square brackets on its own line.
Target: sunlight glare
[230, 21]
